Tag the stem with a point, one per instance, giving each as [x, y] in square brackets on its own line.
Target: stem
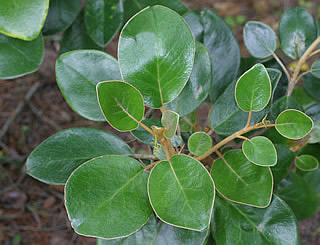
[163, 108]
[144, 156]
[282, 65]
[314, 53]
[233, 136]
[302, 74]
[242, 137]
[249, 119]
[151, 165]
[146, 128]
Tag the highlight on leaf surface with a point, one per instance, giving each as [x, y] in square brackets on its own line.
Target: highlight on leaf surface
[307, 162]
[199, 143]
[253, 89]
[121, 104]
[293, 124]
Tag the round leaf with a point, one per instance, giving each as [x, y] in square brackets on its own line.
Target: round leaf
[121, 103]
[107, 197]
[19, 57]
[61, 15]
[315, 69]
[103, 19]
[55, 159]
[199, 143]
[274, 225]
[293, 124]
[78, 83]
[180, 201]
[241, 181]
[23, 19]
[253, 89]
[260, 39]
[170, 120]
[307, 163]
[260, 151]
[163, 43]
[297, 30]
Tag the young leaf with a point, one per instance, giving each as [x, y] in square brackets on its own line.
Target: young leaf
[199, 143]
[297, 30]
[19, 57]
[180, 201]
[78, 83]
[260, 151]
[293, 124]
[260, 39]
[23, 19]
[315, 69]
[253, 89]
[223, 49]
[307, 163]
[103, 188]
[198, 86]
[170, 120]
[55, 159]
[241, 181]
[121, 104]
[61, 14]
[103, 19]
[312, 85]
[165, 54]
[142, 135]
[275, 224]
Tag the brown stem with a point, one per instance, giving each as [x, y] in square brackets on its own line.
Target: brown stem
[249, 119]
[282, 65]
[146, 128]
[151, 165]
[144, 156]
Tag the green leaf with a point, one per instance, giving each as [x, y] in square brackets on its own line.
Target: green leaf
[23, 19]
[223, 49]
[253, 89]
[260, 151]
[314, 112]
[299, 195]
[142, 135]
[61, 14]
[297, 30]
[293, 124]
[199, 143]
[303, 98]
[76, 37]
[241, 181]
[107, 197]
[19, 57]
[55, 159]
[180, 201]
[312, 178]
[198, 86]
[284, 103]
[307, 163]
[285, 159]
[312, 85]
[315, 69]
[131, 7]
[159, 233]
[239, 224]
[170, 120]
[260, 39]
[121, 104]
[78, 83]
[186, 122]
[103, 19]
[315, 134]
[193, 18]
[165, 54]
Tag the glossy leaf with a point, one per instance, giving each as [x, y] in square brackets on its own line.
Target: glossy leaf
[293, 124]
[23, 19]
[307, 163]
[19, 57]
[312, 178]
[57, 157]
[186, 122]
[223, 49]
[239, 224]
[193, 18]
[260, 151]
[297, 30]
[241, 181]
[103, 19]
[198, 86]
[78, 83]
[299, 195]
[180, 201]
[260, 39]
[170, 121]
[61, 14]
[253, 89]
[285, 159]
[76, 37]
[312, 85]
[165, 54]
[121, 104]
[107, 197]
[315, 69]
[315, 134]
[304, 99]
[284, 103]
[314, 112]
[199, 143]
[142, 135]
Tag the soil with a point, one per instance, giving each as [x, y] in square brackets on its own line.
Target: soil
[34, 213]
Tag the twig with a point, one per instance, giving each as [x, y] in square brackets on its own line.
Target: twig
[249, 119]
[144, 156]
[151, 165]
[282, 65]
[314, 53]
